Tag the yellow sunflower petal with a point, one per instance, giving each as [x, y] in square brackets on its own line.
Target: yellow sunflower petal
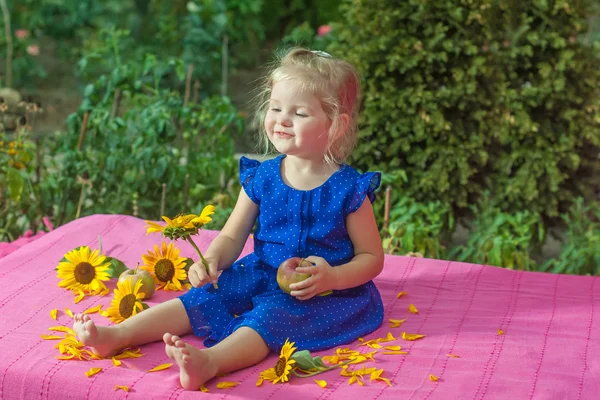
[93, 309]
[226, 385]
[92, 372]
[203, 389]
[53, 313]
[260, 380]
[129, 354]
[453, 356]
[116, 362]
[321, 383]
[51, 337]
[412, 336]
[401, 294]
[413, 309]
[161, 367]
[433, 378]
[69, 312]
[69, 357]
[395, 352]
[395, 323]
[500, 332]
[61, 328]
[125, 388]
[396, 348]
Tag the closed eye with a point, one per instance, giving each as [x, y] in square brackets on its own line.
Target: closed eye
[275, 109]
[301, 115]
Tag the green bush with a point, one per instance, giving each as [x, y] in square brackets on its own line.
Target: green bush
[580, 251]
[500, 238]
[419, 228]
[472, 95]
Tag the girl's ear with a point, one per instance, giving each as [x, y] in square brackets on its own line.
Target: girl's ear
[344, 121]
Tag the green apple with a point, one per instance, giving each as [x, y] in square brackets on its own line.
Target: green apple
[148, 285]
[286, 273]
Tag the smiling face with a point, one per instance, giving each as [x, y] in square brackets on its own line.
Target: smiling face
[295, 122]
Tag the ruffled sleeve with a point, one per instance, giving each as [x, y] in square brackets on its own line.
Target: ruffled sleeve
[365, 185]
[248, 169]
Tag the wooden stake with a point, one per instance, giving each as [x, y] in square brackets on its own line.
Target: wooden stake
[116, 103]
[224, 64]
[185, 192]
[386, 211]
[86, 115]
[162, 200]
[9, 43]
[188, 85]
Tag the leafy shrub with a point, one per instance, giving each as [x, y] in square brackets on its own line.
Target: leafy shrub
[580, 252]
[418, 228]
[500, 238]
[467, 96]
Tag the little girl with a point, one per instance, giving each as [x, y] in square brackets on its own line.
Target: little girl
[306, 203]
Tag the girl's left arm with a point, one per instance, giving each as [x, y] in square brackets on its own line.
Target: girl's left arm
[368, 250]
[366, 264]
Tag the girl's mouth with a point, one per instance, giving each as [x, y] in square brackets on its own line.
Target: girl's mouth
[283, 135]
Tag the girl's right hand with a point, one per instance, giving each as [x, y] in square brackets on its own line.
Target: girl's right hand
[198, 275]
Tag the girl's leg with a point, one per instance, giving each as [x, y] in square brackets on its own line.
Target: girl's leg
[148, 326]
[241, 349]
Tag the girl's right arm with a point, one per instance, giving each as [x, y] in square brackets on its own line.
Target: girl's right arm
[227, 246]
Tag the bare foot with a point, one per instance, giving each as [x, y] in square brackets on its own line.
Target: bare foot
[104, 341]
[195, 366]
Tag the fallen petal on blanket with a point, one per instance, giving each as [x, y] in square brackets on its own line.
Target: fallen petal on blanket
[125, 388]
[321, 383]
[227, 385]
[433, 378]
[161, 367]
[92, 372]
[53, 313]
[413, 309]
[395, 323]
[401, 294]
[412, 336]
[93, 309]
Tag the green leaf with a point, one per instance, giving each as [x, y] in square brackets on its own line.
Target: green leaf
[188, 263]
[15, 184]
[306, 362]
[116, 267]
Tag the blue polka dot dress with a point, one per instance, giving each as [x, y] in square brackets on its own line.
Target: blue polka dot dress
[291, 223]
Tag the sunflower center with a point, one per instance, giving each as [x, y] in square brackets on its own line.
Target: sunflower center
[84, 273]
[280, 366]
[126, 305]
[164, 270]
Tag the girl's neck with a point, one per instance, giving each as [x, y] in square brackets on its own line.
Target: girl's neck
[306, 166]
[305, 174]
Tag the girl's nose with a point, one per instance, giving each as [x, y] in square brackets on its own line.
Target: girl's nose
[284, 120]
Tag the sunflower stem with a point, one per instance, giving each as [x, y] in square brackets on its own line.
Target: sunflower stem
[319, 371]
[191, 241]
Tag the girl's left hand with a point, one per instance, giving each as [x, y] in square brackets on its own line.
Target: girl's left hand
[321, 280]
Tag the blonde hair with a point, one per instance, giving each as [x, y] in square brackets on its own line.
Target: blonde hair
[335, 82]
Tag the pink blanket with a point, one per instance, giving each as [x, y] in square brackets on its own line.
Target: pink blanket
[549, 349]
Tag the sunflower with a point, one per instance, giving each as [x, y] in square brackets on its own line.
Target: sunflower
[127, 301]
[166, 266]
[283, 368]
[182, 225]
[83, 269]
